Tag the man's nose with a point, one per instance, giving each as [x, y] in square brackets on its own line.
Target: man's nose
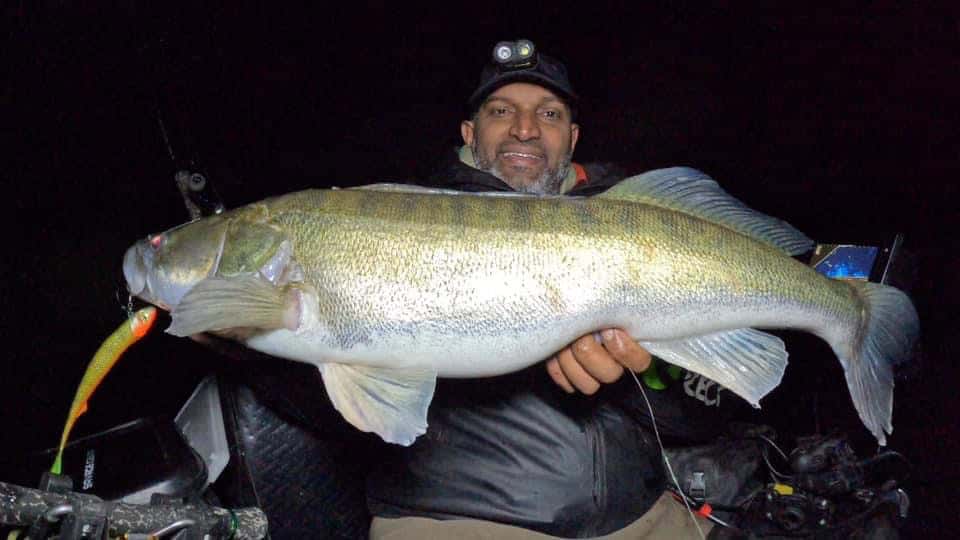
[525, 126]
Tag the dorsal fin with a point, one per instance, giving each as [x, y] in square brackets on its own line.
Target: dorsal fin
[412, 188]
[693, 192]
[397, 188]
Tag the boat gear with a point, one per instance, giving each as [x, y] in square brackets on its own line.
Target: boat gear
[829, 493]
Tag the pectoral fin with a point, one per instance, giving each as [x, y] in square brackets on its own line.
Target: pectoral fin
[389, 402]
[247, 301]
[747, 362]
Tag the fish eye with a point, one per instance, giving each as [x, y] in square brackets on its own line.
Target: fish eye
[156, 241]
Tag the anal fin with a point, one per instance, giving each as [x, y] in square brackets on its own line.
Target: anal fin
[748, 362]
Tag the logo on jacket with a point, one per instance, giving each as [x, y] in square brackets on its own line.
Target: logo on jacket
[703, 389]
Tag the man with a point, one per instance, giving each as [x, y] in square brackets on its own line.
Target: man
[516, 456]
[523, 134]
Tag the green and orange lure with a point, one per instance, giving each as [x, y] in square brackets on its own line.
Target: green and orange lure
[105, 358]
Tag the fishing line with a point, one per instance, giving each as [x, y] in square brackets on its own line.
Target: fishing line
[775, 447]
[128, 307]
[774, 473]
[163, 131]
[666, 460]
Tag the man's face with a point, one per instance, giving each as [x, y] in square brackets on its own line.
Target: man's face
[523, 135]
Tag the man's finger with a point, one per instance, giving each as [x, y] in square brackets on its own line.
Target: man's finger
[625, 350]
[553, 368]
[578, 377]
[595, 359]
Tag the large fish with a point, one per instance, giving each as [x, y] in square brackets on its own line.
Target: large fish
[387, 287]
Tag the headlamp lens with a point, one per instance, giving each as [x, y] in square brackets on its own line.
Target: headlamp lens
[524, 49]
[503, 52]
[514, 54]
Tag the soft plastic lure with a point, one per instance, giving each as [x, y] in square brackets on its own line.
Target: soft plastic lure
[105, 358]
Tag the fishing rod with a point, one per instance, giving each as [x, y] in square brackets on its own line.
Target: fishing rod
[179, 140]
[196, 189]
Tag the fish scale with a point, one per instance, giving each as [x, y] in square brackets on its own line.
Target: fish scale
[402, 284]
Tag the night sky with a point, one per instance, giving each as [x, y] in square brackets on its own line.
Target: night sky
[840, 122]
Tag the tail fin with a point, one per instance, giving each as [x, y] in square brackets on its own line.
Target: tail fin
[885, 337]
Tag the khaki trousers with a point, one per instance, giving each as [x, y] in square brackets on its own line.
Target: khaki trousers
[667, 519]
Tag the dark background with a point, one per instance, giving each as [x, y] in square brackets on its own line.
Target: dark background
[841, 122]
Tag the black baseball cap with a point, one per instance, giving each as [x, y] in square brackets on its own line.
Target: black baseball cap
[519, 61]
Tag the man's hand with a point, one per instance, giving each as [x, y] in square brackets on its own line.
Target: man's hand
[590, 361]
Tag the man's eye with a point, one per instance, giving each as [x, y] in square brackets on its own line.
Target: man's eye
[551, 114]
[499, 111]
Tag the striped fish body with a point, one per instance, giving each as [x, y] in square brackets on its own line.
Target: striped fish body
[477, 286]
[389, 287]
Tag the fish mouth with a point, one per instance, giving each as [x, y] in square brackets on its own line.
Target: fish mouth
[160, 274]
[134, 270]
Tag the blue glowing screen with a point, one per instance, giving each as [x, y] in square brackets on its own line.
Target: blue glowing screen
[850, 262]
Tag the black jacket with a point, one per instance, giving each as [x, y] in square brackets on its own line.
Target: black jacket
[516, 449]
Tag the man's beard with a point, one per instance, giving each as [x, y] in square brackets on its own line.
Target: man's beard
[548, 183]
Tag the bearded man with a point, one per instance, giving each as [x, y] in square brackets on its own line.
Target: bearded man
[534, 455]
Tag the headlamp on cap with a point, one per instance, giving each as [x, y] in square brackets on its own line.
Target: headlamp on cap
[519, 61]
[511, 55]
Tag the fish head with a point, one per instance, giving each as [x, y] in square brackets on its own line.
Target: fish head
[163, 267]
